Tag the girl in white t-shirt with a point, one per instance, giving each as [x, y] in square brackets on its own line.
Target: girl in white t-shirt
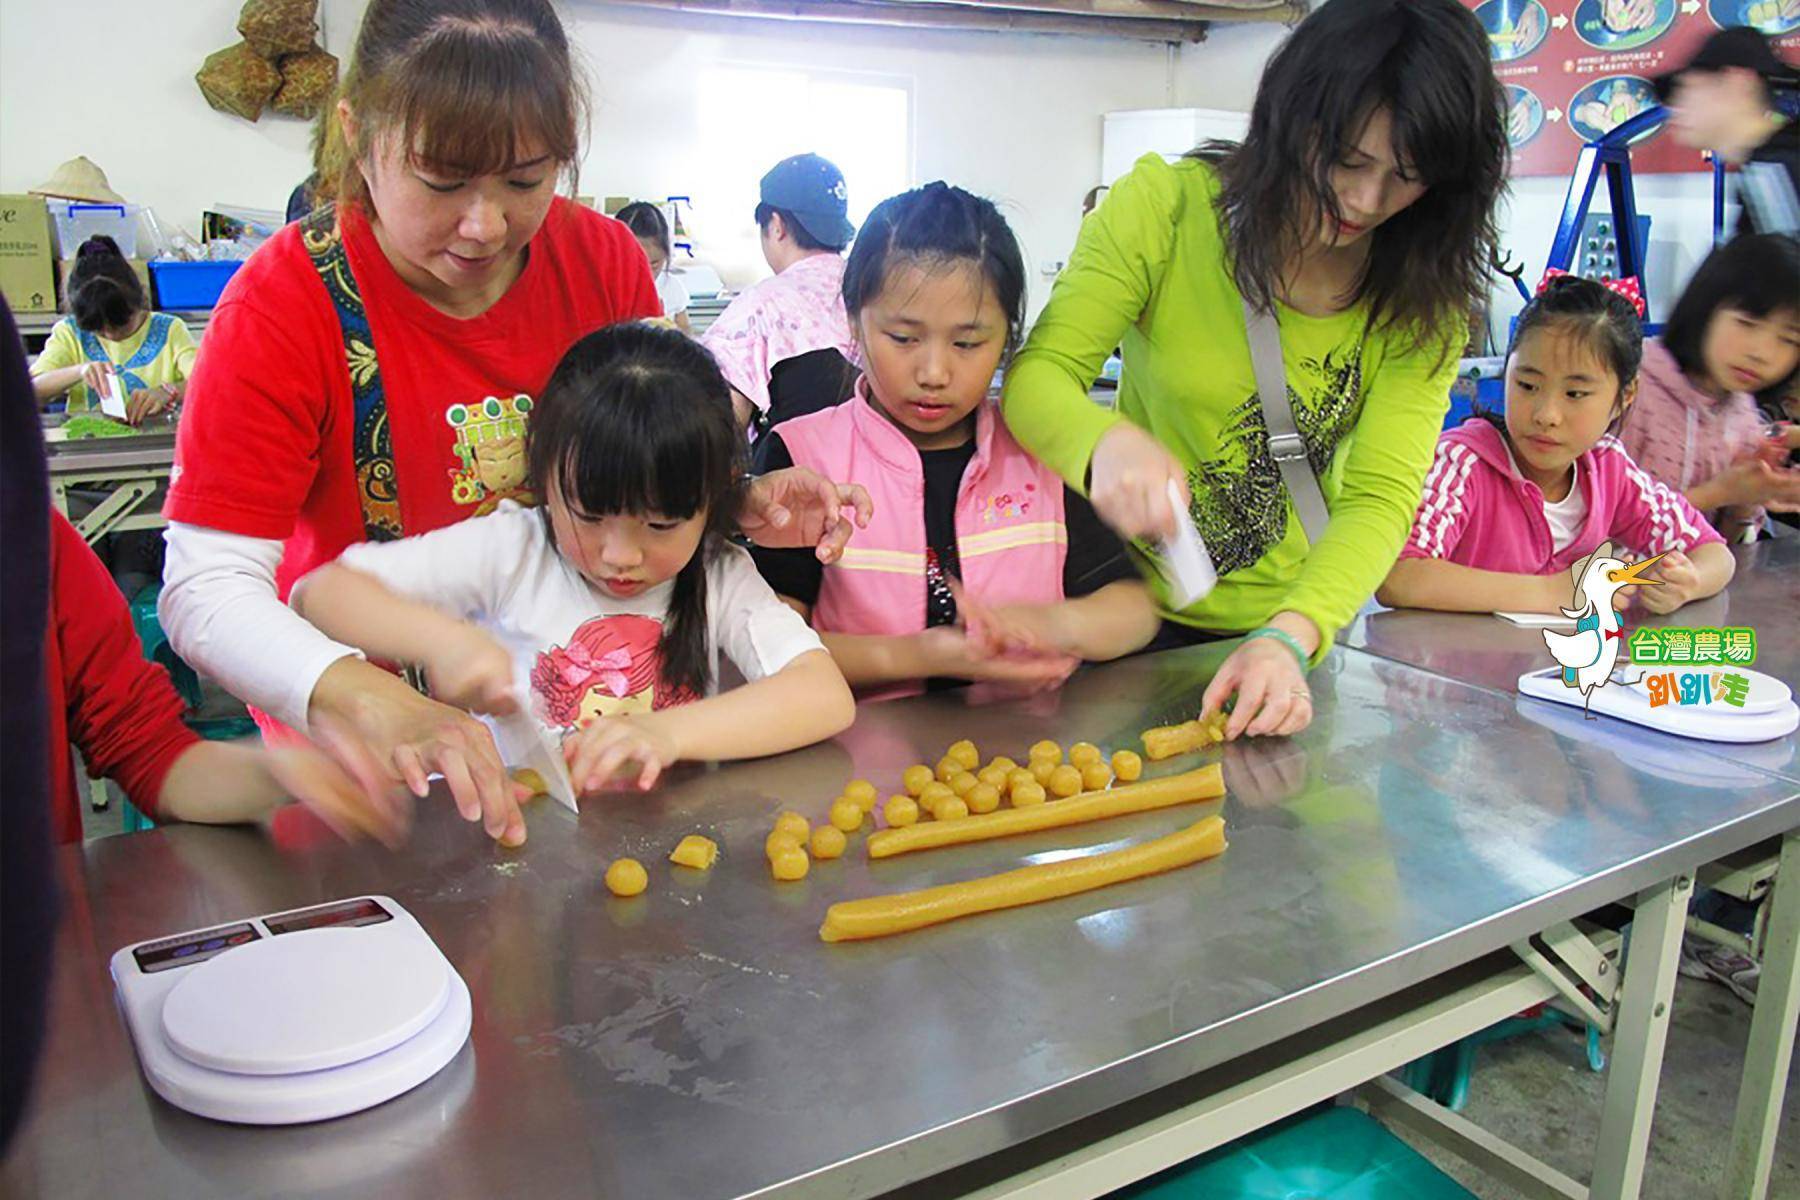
[606, 609]
[651, 229]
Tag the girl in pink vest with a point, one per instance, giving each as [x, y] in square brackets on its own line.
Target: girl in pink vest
[1510, 505]
[979, 564]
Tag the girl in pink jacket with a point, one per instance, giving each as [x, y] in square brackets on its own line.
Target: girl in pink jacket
[1733, 335]
[979, 564]
[1510, 505]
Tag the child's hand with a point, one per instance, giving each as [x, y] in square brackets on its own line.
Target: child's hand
[1680, 583]
[343, 784]
[598, 751]
[145, 403]
[949, 652]
[1272, 696]
[1760, 481]
[473, 672]
[1013, 629]
[96, 376]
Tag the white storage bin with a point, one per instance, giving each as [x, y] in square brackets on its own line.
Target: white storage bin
[76, 221]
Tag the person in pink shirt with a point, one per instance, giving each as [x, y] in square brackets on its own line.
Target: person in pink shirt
[1733, 335]
[1511, 504]
[784, 344]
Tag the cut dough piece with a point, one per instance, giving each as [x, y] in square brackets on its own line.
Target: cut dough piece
[531, 779]
[1015, 778]
[828, 841]
[794, 825]
[1047, 749]
[994, 775]
[983, 798]
[1024, 795]
[863, 792]
[934, 795]
[1166, 741]
[964, 752]
[879, 916]
[626, 877]
[1065, 781]
[1206, 783]
[847, 815]
[951, 809]
[1005, 762]
[1095, 776]
[1127, 766]
[1042, 769]
[779, 840]
[914, 778]
[790, 864]
[695, 851]
[961, 784]
[1083, 753]
[900, 812]
[947, 768]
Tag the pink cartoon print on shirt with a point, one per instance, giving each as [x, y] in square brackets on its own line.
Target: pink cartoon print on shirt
[611, 667]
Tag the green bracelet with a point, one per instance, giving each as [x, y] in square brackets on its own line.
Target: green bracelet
[1282, 636]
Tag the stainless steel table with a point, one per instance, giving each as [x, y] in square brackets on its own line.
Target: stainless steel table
[700, 1041]
[130, 472]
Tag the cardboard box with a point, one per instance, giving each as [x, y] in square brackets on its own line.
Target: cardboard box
[139, 266]
[27, 255]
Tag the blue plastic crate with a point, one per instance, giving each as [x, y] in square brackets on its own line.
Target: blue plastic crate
[185, 286]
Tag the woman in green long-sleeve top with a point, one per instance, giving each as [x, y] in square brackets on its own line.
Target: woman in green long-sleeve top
[1360, 207]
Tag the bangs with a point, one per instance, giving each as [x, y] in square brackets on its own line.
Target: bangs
[484, 102]
[1762, 293]
[1432, 113]
[634, 456]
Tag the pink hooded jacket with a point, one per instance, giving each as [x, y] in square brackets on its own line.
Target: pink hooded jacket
[1478, 511]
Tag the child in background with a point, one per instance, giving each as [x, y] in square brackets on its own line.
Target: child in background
[1733, 336]
[979, 564]
[124, 716]
[112, 332]
[1510, 505]
[651, 229]
[609, 607]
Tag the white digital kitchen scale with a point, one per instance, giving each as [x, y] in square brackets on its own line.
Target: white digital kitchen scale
[1768, 712]
[297, 1016]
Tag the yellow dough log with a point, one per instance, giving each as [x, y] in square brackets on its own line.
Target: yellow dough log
[1166, 741]
[879, 916]
[1207, 783]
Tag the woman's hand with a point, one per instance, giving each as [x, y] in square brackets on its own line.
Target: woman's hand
[340, 781]
[413, 736]
[797, 507]
[473, 672]
[1128, 482]
[145, 403]
[1272, 696]
[1680, 583]
[599, 750]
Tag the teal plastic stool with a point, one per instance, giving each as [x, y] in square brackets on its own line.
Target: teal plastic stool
[1326, 1154]
[1444, 1075]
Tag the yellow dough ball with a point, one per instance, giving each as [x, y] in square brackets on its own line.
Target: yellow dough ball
[1017, 777]
[952, 809]
[1127, 766]
[1028, 794]
[900, 811]
[994, 775]
[790, 864]
[946, 769]
[1065, 781]
[1047, 749]
[695, 851]
[1041, 770]
[934, 795]
[847, 815]
[914, 779]
[1095, 777]
[1083, 754]
[778, 841]
[983, 798]
[795, 825]
[626, 877]
[964, 752]
[1004, 763]
[828, 841]
[961, 784]
[863, 792]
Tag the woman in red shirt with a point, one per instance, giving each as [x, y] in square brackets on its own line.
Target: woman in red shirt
[370, 372]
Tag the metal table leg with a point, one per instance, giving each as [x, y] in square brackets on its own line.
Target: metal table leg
[1770, 1052]
[1639, 1033]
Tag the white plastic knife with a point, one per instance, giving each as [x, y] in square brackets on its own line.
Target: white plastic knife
[1189, 567]
[523, 743]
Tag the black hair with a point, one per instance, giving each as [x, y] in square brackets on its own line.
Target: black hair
[1605, 320]
[104, 292]
[637, 419]
[645, 220]
[938, 224]
[1757, 274]
[1426, 62]
[803, 238]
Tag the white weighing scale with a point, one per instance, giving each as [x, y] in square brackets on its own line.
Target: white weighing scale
[297, 1016]
[1769, 710]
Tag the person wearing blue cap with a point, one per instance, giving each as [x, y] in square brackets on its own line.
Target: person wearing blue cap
[784, 344]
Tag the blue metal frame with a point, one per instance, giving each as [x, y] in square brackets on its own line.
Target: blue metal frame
[1611, 154]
